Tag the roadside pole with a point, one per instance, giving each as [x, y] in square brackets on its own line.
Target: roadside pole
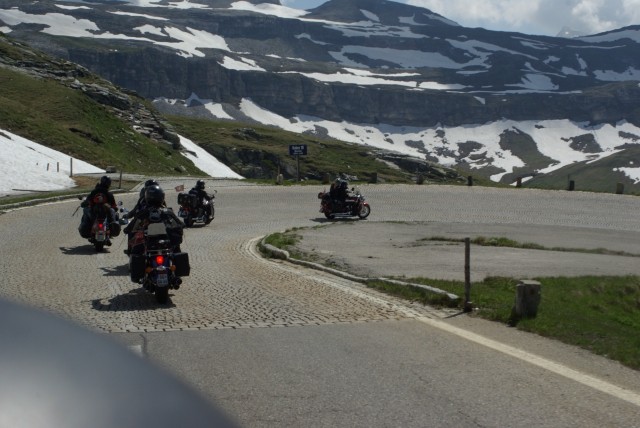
[298, 150]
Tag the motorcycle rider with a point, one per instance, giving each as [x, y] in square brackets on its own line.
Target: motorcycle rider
[141, 202]
[339, 192]
[99, 201]
[155, 211]
[202, 195]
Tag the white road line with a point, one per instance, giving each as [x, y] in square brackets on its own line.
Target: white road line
[583, 378]
[552, 366]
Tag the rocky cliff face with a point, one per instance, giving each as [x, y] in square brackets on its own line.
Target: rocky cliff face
[368, 61]
[154, 74]
[124, 104]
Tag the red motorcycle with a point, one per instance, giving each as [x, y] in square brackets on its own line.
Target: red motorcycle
[353, 206]
[100, 233]
[102, 227]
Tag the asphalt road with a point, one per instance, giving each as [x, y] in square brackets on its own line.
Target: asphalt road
[274, 344]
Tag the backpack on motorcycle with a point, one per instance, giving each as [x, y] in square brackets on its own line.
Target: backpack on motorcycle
[99, 199]
[193, 200]
[184, 198]
[188, 199]
[174, 227]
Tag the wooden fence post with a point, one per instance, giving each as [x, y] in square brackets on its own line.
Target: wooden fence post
[467, 275]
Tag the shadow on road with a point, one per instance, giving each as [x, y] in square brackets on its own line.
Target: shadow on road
[82, 250]
[135, 300]
[334, 220]
[116, 271]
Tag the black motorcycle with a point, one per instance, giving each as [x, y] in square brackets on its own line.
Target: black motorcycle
[159, 267]
[193, 212]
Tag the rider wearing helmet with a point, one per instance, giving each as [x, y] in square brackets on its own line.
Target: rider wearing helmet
[155, 211]
[101, 194]
[154, 197]
[99, 200]
[141, 202]
[201, 195]
[339, 191]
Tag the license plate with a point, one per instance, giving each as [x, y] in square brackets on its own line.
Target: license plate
[162, 280]
[100, 236]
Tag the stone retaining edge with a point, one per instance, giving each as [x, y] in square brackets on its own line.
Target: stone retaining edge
[278, 253]
[40, 201]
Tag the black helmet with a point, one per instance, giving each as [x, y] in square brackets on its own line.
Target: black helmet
[154, 196]
[105, 182]
[200, 184]
[147, 184]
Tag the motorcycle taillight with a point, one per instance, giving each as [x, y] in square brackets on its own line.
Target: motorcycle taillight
[160, 260]
[100, 225]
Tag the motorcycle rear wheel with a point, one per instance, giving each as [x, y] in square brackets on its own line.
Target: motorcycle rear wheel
[188, 221]
[99, 246]
[162, 295]
[330, 216]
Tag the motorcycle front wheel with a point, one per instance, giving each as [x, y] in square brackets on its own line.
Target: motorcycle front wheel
[364, 212]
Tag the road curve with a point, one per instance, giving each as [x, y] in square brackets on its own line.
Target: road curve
[48, 265]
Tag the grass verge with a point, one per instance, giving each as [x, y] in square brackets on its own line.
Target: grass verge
[600, 314]
[83, 185]
[506, 242]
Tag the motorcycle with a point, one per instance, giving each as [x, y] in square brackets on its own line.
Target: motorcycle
[191, 212]
[102, 228]
[354, 205]
[158, 268]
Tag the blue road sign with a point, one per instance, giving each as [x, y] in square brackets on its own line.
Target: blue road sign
[298, 149]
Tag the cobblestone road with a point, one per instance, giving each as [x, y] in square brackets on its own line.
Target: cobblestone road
[45, 263]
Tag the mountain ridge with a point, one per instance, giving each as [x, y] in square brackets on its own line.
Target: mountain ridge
[373, 69]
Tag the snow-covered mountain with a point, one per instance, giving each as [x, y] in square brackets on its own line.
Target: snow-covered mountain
[375, 72]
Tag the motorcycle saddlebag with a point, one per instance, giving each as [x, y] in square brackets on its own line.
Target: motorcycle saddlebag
[181, 262]
[85, 231]
[175, 234]
[115, 229]
[138, 265]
